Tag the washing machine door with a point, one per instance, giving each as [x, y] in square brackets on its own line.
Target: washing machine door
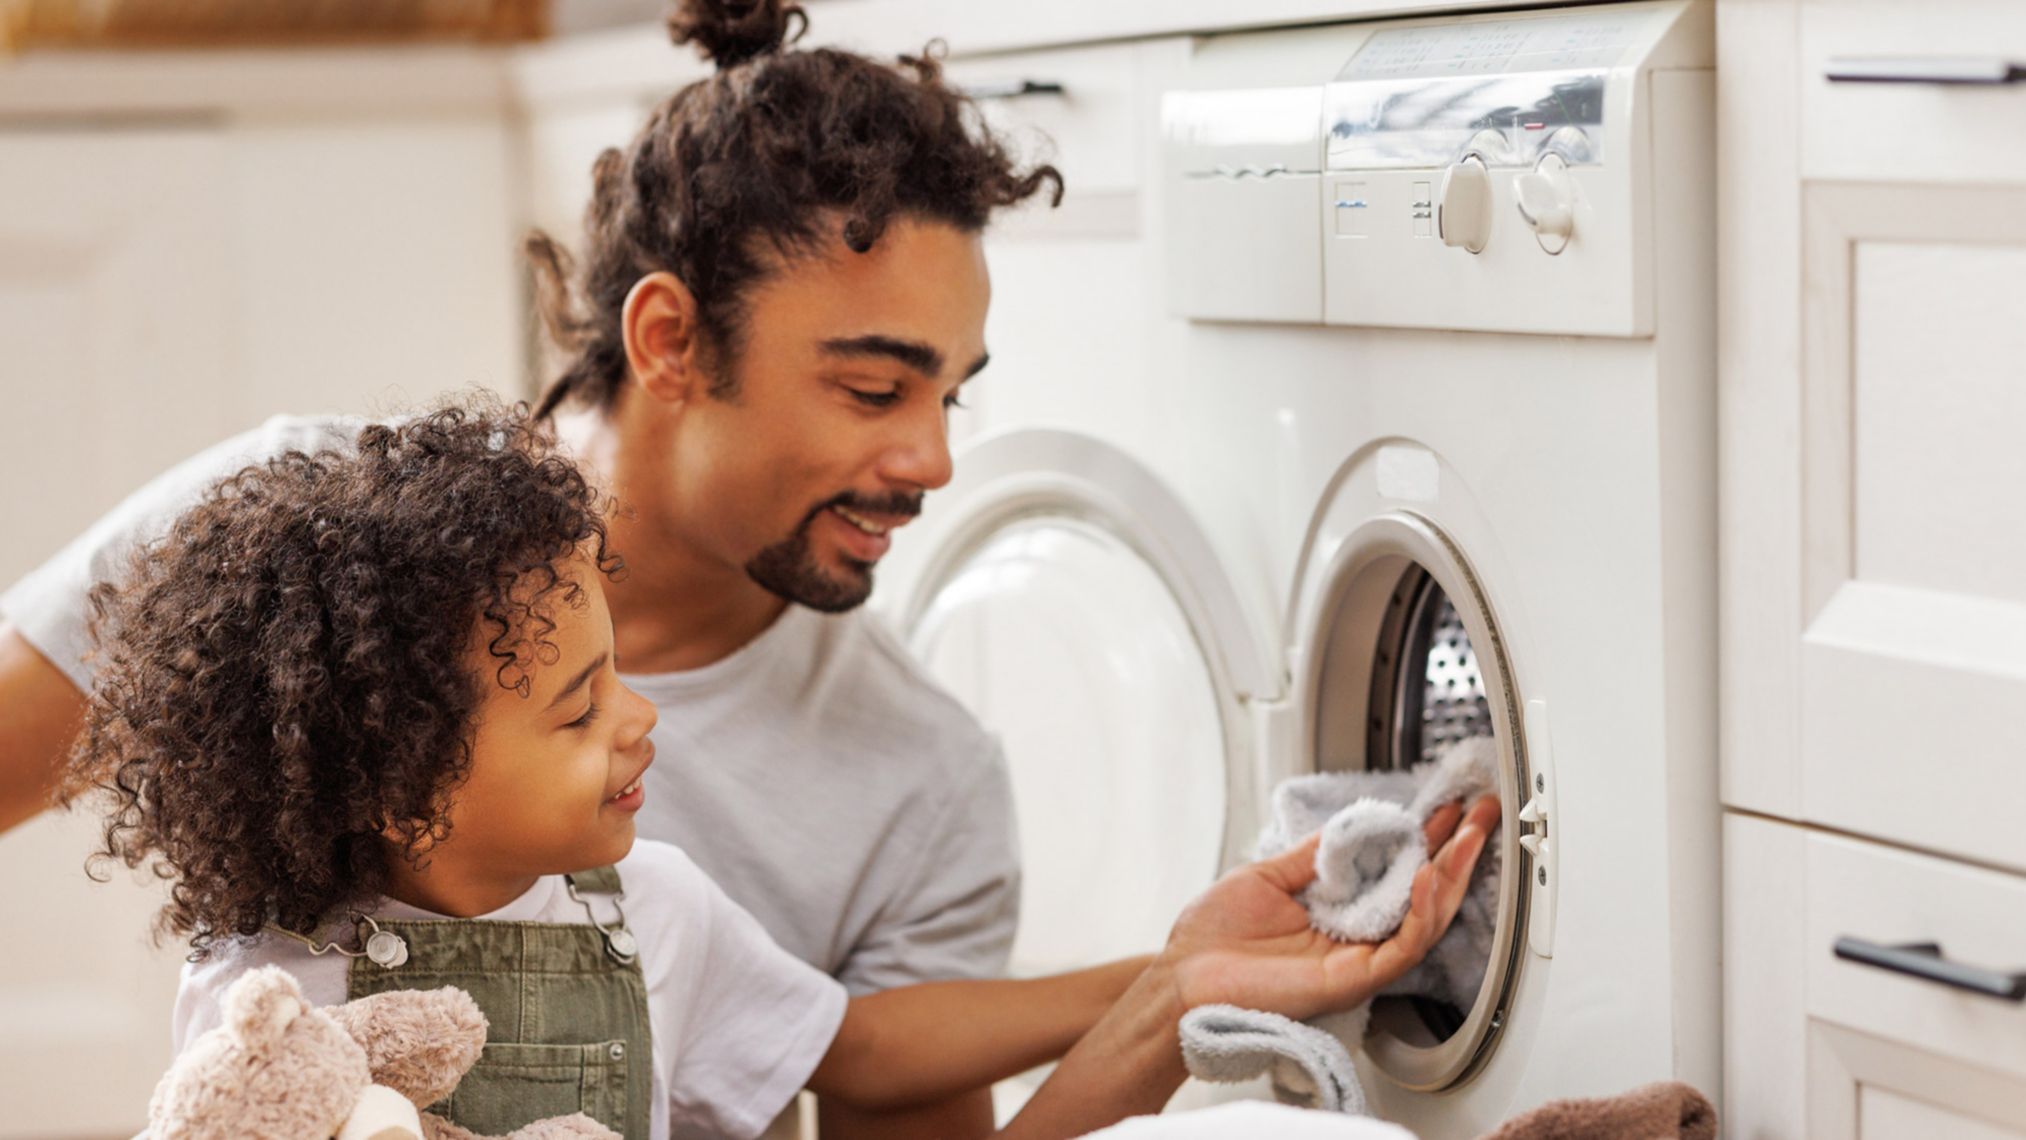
[1397, 652]
[1069, 599]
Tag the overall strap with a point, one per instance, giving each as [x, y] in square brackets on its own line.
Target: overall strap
[597, 881]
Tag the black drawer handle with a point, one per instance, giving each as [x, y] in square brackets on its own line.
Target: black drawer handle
[1945, 70]
[1011, 89]
[1924, 960]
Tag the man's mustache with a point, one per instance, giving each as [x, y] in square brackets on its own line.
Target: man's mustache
[894, 503]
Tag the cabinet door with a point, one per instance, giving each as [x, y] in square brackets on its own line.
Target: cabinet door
[1875, 581]
[1913, 643]
[113, 303]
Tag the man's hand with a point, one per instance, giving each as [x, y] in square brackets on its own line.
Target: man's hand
[1247, 941]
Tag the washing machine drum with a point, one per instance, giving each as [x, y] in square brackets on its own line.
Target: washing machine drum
[1076, 652]
[1411, 662]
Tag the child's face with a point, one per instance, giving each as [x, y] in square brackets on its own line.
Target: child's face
[555, 775]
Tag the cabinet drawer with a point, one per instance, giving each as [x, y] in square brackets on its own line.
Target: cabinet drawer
[1890, 897]
[1911, 131]
[1079, 109]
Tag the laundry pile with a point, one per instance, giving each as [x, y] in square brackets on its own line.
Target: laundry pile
[1371, 824]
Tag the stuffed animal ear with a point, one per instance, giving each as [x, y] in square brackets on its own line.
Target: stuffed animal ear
[261, 1005]
[417, 1042]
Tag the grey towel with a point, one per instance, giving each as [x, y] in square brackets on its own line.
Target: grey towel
[1371, 848]
[1309, 1066]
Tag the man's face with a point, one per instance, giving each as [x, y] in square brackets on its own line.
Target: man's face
[839, 424]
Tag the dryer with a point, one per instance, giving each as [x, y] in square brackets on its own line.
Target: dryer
[1428, 338]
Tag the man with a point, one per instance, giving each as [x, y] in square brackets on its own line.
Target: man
[783, 292]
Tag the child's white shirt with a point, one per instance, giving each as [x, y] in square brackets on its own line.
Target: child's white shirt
[738, 1023]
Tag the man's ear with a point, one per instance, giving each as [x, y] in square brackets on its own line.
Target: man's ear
[663, 340]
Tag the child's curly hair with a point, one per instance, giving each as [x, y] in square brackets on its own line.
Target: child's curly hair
[283, 692]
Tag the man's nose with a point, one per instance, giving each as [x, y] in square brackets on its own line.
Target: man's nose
[920, 456]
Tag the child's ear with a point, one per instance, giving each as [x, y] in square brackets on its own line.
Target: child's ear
[261, 1006]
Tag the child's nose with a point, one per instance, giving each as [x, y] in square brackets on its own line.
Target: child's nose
[641, 717]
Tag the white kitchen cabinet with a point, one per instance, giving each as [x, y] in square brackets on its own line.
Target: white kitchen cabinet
[1874, 562]
[114, 311]
[161, 287]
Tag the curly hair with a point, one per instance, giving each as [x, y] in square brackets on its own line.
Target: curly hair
[771, 155]
[283, 690]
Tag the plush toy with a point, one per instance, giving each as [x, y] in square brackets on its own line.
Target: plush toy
[280, 1069]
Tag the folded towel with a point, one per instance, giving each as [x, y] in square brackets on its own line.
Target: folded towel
[1663, 1110]
[1250, 1120]
[1371, 848]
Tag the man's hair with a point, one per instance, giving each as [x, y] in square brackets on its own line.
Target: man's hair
[282, 690]
[764, 161]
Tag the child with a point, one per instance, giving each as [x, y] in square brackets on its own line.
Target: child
[363, 709]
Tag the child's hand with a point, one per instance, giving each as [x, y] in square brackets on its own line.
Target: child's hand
[1247, 941]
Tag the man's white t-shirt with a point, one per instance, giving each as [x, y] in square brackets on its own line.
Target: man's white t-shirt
[738, 1023]
[818, 774]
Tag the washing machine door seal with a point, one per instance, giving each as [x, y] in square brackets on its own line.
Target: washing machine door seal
[1087, 570]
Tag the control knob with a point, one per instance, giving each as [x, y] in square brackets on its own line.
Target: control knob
[1547, 202]
[1463, 204]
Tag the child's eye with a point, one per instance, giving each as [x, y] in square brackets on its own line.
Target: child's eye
[590, 714]
[876, 399]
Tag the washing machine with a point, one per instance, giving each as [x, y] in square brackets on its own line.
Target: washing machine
[1421, 446]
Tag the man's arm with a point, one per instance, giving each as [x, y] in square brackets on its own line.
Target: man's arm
[1246, 941]
[937, 1040]
[40, 711]
[966, 1116]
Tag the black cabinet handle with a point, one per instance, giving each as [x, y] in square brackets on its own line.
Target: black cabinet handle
[1011, 89]
[1924, 960]
[1945, 70]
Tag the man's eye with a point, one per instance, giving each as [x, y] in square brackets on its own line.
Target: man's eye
[953, 400]
[876, 399]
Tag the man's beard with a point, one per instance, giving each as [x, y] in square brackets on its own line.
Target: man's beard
[788, 568]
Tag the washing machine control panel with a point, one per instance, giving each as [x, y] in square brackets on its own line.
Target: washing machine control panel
[1482, 173]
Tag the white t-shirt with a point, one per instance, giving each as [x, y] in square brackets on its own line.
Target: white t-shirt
[738, 1024]
[818, 775]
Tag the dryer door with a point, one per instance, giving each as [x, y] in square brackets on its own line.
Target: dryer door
[1065, 595]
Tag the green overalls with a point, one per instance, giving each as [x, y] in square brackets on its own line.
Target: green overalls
[566, 1004]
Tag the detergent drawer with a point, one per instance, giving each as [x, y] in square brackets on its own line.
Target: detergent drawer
[1241, 166]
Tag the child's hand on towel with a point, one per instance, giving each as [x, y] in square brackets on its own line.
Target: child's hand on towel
[1247, 941]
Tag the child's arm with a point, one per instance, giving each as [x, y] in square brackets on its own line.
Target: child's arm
[931, 1041]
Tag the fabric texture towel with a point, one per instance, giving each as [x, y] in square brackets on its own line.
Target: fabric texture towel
[1252, 1120]
[1309, 1065]
[1663, 1110]
[1371, 848]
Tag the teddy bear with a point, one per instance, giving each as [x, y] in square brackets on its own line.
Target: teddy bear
[281, 1069]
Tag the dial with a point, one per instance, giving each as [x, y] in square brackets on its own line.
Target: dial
[1463, 204]
[1547, 202]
